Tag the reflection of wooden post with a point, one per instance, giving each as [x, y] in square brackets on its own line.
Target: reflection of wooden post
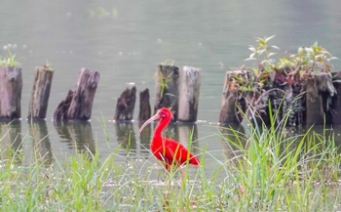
[125, 135]
[145, 109]
[11, 141]
[10, 93]
[77, 133]
[319, 87]
[233, 134]
[167, 89]
[80, 105]
[188, 133]
[40, 93]
[189, 94]
[126, 104]
[41, 142]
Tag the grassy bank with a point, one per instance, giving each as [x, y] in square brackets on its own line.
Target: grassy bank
[266, 170]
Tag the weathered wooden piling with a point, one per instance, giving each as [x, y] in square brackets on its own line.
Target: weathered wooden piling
[126, 104]
[40, 93]
[167, 89]
[319, 93]
[78, 104]
[145, 109]
[231, 111]
[190, 82]
[10, 92]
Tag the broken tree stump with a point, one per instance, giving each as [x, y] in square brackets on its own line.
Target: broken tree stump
[145, 109]
[126, 104]
[190, 81]
[40, 93]
[10, 92]
[62, 108]
[78, 103]
[319, 93]
[167, 89]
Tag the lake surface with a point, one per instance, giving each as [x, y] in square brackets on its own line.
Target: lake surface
[126, 40]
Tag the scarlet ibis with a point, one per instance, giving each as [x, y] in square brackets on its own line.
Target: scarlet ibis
[169, 151]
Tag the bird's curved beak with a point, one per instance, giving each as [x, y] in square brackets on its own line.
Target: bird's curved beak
[153, 118]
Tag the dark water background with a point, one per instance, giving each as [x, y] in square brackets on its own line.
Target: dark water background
[126, 40]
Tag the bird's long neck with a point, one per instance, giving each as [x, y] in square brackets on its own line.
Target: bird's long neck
[158, 130]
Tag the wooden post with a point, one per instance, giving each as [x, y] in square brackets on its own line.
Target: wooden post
[231, 102]
[319, 88]
[10, 92]
[167, 89]
[126, 104]
[337, 100]
[41, 142]
[40, 93]
[145, 109]
[78, 104]
[190, 81]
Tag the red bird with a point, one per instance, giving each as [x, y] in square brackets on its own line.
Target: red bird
[168, 151]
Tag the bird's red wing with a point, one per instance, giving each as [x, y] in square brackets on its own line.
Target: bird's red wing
[177, 154]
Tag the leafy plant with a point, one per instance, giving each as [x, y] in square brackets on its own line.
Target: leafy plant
[9, 60]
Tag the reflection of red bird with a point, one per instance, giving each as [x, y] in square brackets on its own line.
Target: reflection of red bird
[168, 151]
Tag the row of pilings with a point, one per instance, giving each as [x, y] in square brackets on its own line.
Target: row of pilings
[313, 101]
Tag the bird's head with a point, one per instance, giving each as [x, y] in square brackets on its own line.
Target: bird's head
[162, 114]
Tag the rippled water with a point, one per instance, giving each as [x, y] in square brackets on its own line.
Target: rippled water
[126, 40]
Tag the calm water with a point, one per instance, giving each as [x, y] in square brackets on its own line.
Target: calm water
[125, 40]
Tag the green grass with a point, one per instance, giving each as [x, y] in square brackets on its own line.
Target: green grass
[264, 170]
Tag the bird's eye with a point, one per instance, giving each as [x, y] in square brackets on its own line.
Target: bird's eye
[162, 115]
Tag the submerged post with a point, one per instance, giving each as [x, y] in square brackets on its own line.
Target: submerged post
[189, 94]
[126, 104]
[167, 88]
[319, 88]
[10, 92]
[40, 93]
[78, 103]
[230, 105]
[145, 109]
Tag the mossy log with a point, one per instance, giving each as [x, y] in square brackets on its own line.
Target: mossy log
[40, 93]
[190, 81]
[78, 103]
[10, 92]
[167, 89]
[126, 104]
[319, 93]
[145, 108]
